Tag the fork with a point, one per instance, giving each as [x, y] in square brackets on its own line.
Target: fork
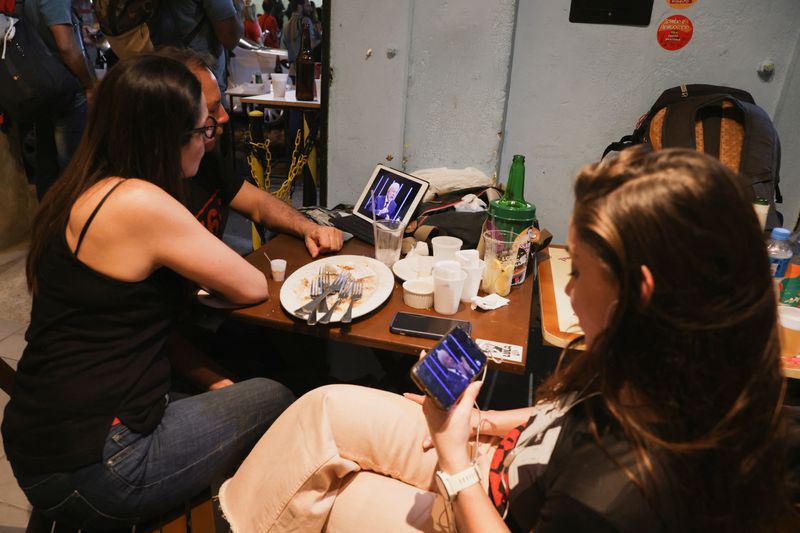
[344, 293]
[355, 294]
[333, 287]
[317, 288]
[325, 282]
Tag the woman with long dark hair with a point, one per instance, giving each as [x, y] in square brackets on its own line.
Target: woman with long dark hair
[94, 437]
[668, 420]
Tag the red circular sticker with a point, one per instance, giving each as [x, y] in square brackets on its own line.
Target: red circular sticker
[674, 32]
[681, 4]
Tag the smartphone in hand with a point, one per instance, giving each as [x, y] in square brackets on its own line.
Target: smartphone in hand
[446, 371]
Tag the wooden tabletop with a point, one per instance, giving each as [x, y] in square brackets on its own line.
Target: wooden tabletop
[551, 281]
[290, 100]
[508, 324]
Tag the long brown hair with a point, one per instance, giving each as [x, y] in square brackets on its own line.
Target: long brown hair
[693, 376]
[136, 128]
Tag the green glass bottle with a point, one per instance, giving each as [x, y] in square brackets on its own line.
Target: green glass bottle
[513, 214]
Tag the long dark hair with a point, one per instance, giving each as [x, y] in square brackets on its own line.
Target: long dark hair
[136, 127]
[694, 375]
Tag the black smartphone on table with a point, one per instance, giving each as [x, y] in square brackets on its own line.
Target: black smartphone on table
[446, 371]
[429, 327]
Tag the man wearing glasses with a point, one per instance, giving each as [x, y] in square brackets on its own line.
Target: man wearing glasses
[213, 190]
[208, 195]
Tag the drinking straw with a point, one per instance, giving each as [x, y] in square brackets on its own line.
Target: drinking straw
[374, 220]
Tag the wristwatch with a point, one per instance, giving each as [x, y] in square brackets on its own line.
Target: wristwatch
[451, 485]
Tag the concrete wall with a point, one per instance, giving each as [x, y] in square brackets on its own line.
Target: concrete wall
[443, 98]
[416, 84]
[17, 202]
[576, 87]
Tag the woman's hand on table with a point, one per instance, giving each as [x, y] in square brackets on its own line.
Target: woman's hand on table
[321, 239]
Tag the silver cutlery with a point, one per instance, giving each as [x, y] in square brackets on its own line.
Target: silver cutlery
[333, 287]
[317, 288]
[344, 292]
[355, 294]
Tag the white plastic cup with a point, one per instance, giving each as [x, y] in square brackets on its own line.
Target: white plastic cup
[447, 286]
[318, 89]
[445, 247]
[789, 321]
[472, 282]
[279, 88]
[467, 258]
[278, 268]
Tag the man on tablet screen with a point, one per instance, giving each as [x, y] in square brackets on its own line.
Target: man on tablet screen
[385, 206]
[454, 370]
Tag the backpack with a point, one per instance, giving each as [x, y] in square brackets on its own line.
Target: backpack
[720, 121]
[34, 83]
[127, 25]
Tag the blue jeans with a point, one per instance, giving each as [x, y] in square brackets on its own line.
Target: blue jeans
[199, 442]
[57, 138]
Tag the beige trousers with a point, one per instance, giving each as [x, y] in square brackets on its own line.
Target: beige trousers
[341, 458]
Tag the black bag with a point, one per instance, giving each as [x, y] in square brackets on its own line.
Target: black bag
[116, 17]
[34, 83]
[720, 121]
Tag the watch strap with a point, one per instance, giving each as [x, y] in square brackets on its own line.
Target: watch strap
[455, 483]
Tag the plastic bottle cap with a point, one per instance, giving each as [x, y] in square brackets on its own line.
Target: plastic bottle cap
[780, 234]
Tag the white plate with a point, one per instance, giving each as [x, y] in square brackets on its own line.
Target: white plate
[378, 283]
[407, 268]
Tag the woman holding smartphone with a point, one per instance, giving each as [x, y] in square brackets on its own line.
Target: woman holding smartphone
[93, 434]
[669, 420]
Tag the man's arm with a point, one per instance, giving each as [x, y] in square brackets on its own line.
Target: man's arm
[71, 54]
[228, 31]
[260, 206]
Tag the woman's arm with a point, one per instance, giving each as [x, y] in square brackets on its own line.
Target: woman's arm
[141, 228]
[450, 431]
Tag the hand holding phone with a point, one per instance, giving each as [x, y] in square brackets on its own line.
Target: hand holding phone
[446, 371]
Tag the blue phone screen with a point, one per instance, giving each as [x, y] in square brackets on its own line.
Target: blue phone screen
[450, 366]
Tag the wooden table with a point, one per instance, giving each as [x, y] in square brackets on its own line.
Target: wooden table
[289, 100]
[552, 281]
[509, 324]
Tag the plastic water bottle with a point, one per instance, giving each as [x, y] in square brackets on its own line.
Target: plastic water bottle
[780, 253]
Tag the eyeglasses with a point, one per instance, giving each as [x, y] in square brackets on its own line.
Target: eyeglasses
[209, 131]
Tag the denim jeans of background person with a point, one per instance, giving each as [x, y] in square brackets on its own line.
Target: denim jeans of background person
[56, 140]
[140, 473]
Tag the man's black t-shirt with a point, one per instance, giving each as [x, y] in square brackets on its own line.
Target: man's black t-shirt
[208, 194]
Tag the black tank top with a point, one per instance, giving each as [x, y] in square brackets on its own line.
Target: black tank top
[94, 353]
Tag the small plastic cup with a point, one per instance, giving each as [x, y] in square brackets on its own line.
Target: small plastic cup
[445, 247]
[472, 282]
[279, 83]
[278, 268]
[468, 258]
[447, 287]
[318, 89]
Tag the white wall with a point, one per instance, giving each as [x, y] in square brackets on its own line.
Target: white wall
[573, 87]
[438, 102]
[577, 87]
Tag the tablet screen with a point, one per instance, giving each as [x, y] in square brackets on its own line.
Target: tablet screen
[390, 196]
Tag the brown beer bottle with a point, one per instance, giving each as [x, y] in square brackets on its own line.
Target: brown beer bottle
[304, 67]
